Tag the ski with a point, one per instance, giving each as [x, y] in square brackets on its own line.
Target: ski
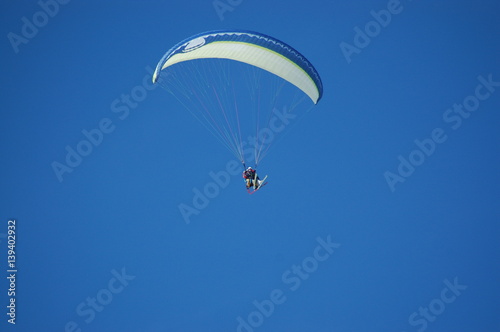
[263, 183]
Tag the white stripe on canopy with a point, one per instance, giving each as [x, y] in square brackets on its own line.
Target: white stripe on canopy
[253, 55]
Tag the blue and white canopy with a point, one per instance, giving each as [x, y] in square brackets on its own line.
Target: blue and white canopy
[253, 48]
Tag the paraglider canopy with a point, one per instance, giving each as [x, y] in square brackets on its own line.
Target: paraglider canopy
[253, 48]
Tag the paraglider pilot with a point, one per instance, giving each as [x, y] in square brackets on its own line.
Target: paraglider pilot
[251, 178]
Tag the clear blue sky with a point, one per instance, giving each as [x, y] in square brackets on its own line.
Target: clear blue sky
[107, 249]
